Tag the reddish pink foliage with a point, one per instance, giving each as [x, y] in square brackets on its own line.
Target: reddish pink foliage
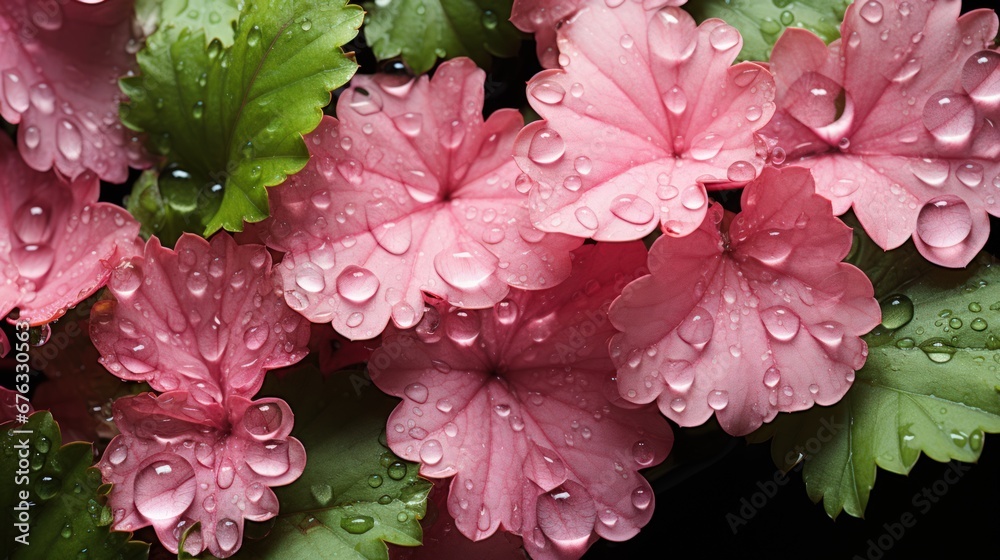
[542, 17]
[518, 402]
[10, 403]
[645, 112]
[59, 69]
[750, 315]
[57, 243]
[410, 192]
[205, 318]
[913, 146]
[203, 322]
[179, 461]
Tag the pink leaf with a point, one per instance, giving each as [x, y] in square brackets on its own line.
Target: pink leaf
[543, 17]
[205, 317]
[57, 243]
[645, 113]
[59, 69]
[179, 461]
[897, 120]
[750, 315]
[409, 192]
[518, 403]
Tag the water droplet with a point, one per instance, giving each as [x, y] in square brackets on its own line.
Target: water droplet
[949, 116]
[718, 399]
[409, 124]
[872, 11]
[694, 197]
[165, 487]
[68, 140]
[227, 533]
[675, 100]
[944, 222]
[707, 147]
[643, 453]
[697, 328]
[815, 100]
[641, 497]
[548, 92]
[357, 284]
[416, 392]
[632, 209]
[263, 420]
[586, 217]
[978, 324]
[396, 471]
[546, 146]
[780, 322]
[253, 37]
[897, 311]
[981, 77]
[724, 37]
[772, 376]
[431, 452]
[970, 174]
[489, 19]
[938, 350]
[365, 102]
[741, 172]
[375, 480]
[465, 267]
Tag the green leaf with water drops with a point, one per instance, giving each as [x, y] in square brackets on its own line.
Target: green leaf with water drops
[422, 31]
[67, 516]
[234, 116]
[355, 494]
[216, 17]
[761, 22]
[931, 383]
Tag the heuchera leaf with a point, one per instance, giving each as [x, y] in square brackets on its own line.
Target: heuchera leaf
[754, 312]
[646, 112]
[204, 318]
[422, 31]
[761, 22]
[543, 17]
[411, 191]
[57, 243]
[517, 403]
[232, 119]
[368, 497]
[897, 121]
[58, 65]
[67, 512]
[930, 384]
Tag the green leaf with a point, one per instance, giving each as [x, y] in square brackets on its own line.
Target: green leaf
[355, 495]
[422, 31]
[171, 202]
[67, 515]
[216, 17]
[930, 384]
[235, 116]
[762, 22]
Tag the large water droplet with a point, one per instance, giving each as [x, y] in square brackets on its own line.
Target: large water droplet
[944, 222]
[872, 11]
[724, 37]
[782, 323]
[970, 174]
[416, 392]
[357, 524]
[675, 100]
[718, 399]
[697, 328]
[431, 452]
[68, 140]
[981, 77]
[227, 533]
[548, 92]
[632, 209]
[409, 124]
[165, 487]
[15, 91]
[897, 311]
[465, 267]
[949, 116]
[815, 100]
[707, 146]
[365, 102]
[357, 284]
[546, 146]
[643, 453]
[263, 419]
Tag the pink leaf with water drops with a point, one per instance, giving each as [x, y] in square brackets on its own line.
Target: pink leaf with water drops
[751, 315]
[645, 113]
[518, 403]
[411, 191]
[204, 317]
[57, 243]
[543, 17]
[59, 69]
[897, 120]
[179, 461]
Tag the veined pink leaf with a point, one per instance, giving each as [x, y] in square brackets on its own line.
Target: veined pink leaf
[750, 315]
[409, 192]
[518, 403]
[59, 69]
[897, 120]
[205, 318]
[645, 112]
